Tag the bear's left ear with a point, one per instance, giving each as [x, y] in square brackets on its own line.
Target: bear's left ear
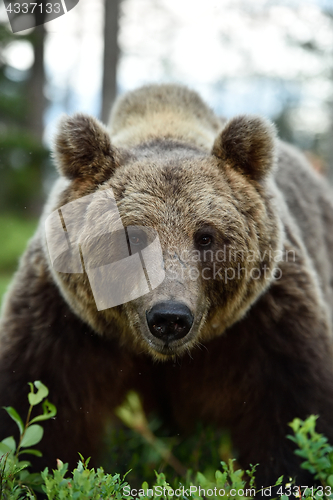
[247, 143]
[82, 149]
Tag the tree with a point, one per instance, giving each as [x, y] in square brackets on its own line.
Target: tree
[37, 82]
[22, 155]
[111, 55]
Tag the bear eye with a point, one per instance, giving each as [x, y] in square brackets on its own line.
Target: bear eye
[135, 240]
[204, 240]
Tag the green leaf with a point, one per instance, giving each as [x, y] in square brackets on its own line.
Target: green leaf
[295, 424]
[49, 411]
[33, 479]
[42, 392]
[23, 475]
[10, 442]
[4, 449]
[279, 481]
[32, 436]
[37, 453]
[22, 465]
[330, 480]
[15, 416]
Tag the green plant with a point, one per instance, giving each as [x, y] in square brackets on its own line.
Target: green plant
[15, 479]
[85, 484]
[318, 455]
[17, 483]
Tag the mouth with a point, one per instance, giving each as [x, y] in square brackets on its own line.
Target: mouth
[167, 350]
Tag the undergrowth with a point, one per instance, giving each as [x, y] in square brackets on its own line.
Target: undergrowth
[83, 483]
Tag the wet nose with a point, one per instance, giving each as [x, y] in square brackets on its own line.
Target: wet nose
[169, 320]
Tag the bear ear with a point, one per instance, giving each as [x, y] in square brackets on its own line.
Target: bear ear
[247, 143]
[82, 149]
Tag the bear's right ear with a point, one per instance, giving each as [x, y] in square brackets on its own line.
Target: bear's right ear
[82, 149]
[247, 144]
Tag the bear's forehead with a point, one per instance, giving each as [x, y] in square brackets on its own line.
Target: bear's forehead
[172, 180]
[184, 194]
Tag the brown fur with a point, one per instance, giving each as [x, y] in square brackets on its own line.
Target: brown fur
[247, 143]
[259, 352]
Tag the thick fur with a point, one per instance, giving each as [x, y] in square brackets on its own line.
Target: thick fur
[259, 352]
[247, 143]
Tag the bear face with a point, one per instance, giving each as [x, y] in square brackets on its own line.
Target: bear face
[211, 211]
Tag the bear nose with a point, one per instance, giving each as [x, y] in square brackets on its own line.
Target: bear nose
[169, 320]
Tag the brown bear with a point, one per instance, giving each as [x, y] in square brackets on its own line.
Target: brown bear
[185, 258]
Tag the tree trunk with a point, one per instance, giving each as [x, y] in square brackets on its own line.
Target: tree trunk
[111, 54]
[37, 84]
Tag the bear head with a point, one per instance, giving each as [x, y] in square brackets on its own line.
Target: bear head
[163, 244]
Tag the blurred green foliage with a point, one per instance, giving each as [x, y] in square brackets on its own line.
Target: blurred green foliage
[23, 158]
[127, 450]
[144, 445]
[22, 161]
[15, 231]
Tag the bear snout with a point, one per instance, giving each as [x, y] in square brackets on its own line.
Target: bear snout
[169, 321]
